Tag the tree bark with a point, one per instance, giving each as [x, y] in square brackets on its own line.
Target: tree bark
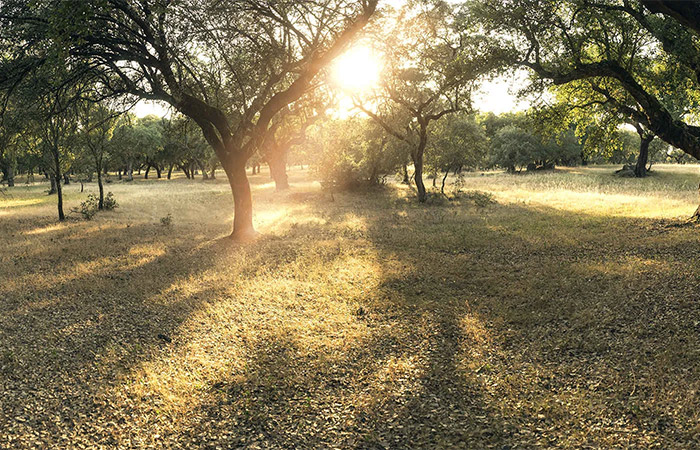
[277, 161]
[52, 179]
[10, 175]
[129, 172]
[442, 188]
[242, 200]
[101, 201]
[59, 189]
[66, 178]
[405, 175]
[158, 171]
[640, 169]
[148, 169]
[170, 171]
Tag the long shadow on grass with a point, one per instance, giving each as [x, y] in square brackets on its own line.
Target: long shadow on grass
[507, 327]
[87, 310]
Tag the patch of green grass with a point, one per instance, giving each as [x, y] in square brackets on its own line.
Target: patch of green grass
[565, 315]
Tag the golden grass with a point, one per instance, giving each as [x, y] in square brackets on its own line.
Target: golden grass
[566, 315]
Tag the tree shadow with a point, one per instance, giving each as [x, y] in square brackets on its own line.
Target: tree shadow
[505, 327]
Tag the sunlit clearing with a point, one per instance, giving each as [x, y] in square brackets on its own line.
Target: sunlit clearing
[358, 69]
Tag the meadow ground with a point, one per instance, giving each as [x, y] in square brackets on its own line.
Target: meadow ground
[564, 315]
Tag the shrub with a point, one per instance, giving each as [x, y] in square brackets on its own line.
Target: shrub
[109, 202]
[88, 208]
[167, 220]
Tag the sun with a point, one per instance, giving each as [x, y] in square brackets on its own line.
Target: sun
[358, 69]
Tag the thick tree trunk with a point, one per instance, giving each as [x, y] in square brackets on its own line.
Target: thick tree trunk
[148, 169]
[66, 178]
[10, 175]
[405, 175]
[242, 200]
[52, 179]
[640, 170]
[213, 172]
[170, 171]
[277, 161]
[158, 171]
[129, 171]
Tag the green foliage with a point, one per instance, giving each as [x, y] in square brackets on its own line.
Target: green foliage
[89, 207]
[459, 143]
[109, 203]
[354, 152]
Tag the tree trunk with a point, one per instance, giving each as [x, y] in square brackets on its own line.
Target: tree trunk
[52, 179]
[158, 171]
[101, 201]
[66, 178]
[213, 172]
[277, 161]
[418, 165]
[148, 169]
[442, 188]
[129, 171]
[10, 175]
[640, 170]
[170, 171]
[405, 174]
[59, 189]
[242, 200]
[119, 174]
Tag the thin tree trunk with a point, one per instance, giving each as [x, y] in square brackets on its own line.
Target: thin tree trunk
[418, 165]
[59, 189]
[158, 171]
[170, 171]
[148, 169]
[101, 201]
[442, 188]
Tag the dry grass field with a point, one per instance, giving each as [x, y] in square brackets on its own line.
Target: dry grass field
[566, 315]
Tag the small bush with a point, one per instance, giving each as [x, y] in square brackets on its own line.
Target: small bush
[109, 202]
[167, 221]
[88, 208]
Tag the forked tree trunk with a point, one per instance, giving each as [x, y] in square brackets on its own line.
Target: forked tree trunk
[418, 166]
